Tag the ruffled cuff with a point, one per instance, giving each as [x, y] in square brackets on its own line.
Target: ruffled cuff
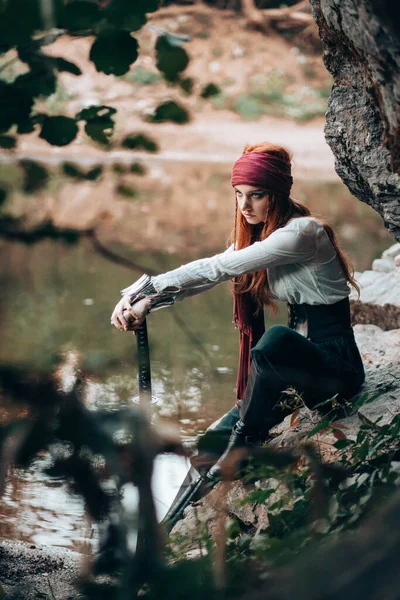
[144, 288]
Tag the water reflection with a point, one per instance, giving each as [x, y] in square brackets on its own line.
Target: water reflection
[39, 510]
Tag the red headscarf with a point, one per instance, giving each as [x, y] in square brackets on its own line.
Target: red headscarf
[273, 174]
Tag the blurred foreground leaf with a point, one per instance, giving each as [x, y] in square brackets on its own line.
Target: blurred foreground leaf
[3, 195]
[139, 142]
[73, 170]
[8, 142]
[113, 52]
[67, 66]
[81, 15]
[170, 58]
[170, 111]
[99, 124]
[126, 14]
[59, 131]
[16, 105]
[137, 168]
[209, 90]
[35, 176]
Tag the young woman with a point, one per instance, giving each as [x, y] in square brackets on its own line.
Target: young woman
[278, 251]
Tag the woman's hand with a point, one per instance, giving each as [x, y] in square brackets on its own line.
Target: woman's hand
[129, 318]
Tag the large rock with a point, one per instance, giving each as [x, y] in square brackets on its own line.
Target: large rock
[379, 301]
[381, 356]
[52, 572]
[362, 52]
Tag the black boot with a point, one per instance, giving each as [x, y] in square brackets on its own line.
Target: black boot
[242, 436]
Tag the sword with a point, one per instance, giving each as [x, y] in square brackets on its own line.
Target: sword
[144, 372]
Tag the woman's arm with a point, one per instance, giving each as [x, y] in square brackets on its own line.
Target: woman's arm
[288, 245]
[284, 246]
[141, 298]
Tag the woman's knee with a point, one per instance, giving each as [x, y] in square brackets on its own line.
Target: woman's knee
[274, 343]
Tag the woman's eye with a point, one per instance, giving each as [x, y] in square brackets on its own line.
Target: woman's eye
[257, 196]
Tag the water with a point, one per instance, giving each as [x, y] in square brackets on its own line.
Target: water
[56, 298]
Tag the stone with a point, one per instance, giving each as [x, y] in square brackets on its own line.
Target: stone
[392, 251]
[381, 355]
[380, 351]
[379, 301]
[383, 265]
[361, 46]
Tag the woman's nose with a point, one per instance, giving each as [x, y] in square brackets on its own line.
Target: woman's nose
[246, 203]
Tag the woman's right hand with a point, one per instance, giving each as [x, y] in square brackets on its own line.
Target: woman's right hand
[119, 319]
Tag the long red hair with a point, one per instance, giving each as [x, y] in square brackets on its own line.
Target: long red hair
[280, 210]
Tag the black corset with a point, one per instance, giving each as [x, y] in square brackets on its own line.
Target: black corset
[321, 321]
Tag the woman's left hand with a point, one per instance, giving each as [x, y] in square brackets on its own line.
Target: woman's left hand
[129, 318]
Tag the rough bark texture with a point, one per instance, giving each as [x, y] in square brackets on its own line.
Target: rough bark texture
[361, 40]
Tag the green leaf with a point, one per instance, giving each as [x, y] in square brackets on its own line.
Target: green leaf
[3, 195]
[16, 105]
[100, 130]
[37, 82]
[170, 111]
[139, 142]
[94, 173]
[18, 20]
[147, 6]
[186, 84]
[127, 191]
[26, 126]
[99, 124]
[210, 90]
[8, 142]
[81, 15]
[35, 176]
[365, 399]
[72, 170]
[95, 112]
[113, 52]
[67, 66]
[125, 14]
[137, 169]
[341, 444]
[322, 425]
[170, 59]
[59, 131]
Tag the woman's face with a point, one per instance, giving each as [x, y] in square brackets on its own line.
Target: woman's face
[252, 203]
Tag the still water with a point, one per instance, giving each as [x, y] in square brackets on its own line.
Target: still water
[56, 298]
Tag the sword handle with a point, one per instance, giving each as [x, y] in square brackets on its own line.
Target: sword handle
[144, 372]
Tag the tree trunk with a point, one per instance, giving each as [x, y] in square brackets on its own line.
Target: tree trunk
[252, 14]
[361, 39]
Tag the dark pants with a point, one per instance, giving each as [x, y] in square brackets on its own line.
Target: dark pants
[318, 370]
[283, 358]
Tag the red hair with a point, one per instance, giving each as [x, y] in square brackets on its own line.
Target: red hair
[281, 209]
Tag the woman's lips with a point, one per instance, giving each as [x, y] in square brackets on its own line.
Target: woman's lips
[248, 215]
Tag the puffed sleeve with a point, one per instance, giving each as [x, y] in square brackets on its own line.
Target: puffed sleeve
[285, 246]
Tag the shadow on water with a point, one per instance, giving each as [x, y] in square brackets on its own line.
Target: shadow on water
[56, 298]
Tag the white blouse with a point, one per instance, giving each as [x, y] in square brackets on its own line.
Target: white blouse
[302, 266]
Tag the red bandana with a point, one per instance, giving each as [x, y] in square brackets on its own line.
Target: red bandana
[264, 170]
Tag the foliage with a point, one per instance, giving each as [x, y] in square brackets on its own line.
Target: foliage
[113, 51]
[169, 110]
[139, 142]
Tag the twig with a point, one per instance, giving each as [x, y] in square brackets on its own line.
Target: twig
[51, 589]
[116, 258]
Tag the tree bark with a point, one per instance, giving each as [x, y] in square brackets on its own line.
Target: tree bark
[361, 40]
